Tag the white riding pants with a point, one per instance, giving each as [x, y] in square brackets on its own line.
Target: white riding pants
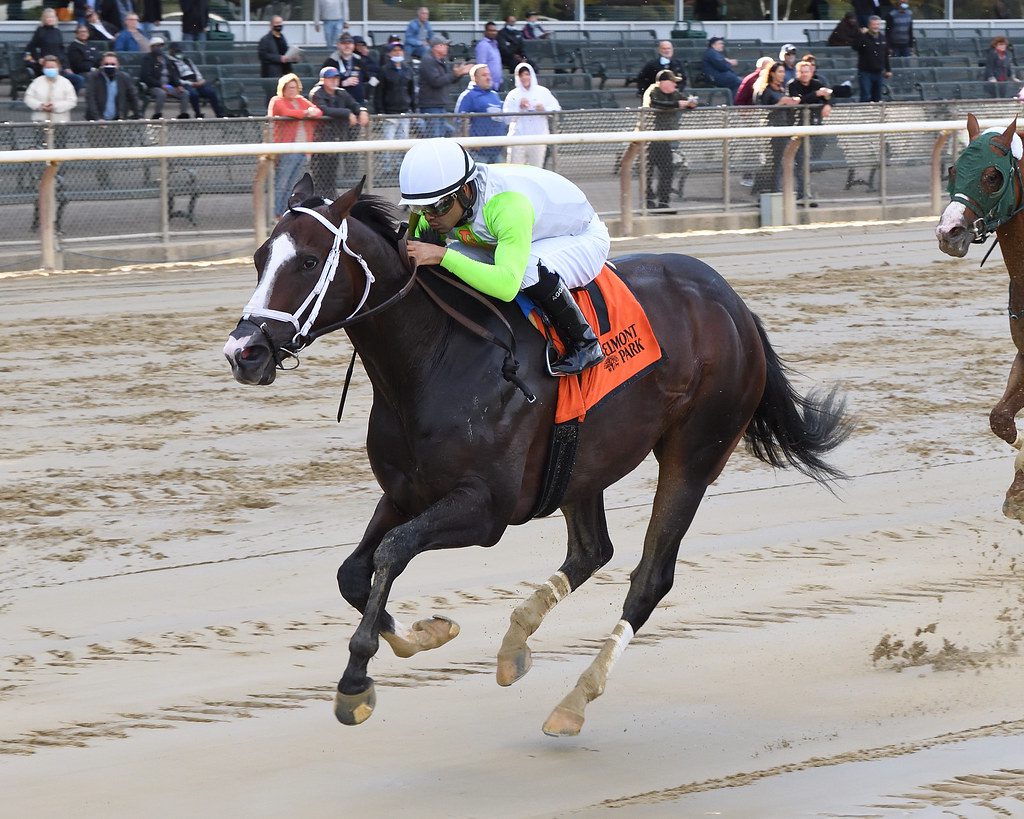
[576, 259]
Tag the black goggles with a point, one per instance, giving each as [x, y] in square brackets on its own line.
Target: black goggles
[440, 207]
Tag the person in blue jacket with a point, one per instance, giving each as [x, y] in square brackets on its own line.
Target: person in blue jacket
[481, 98]
[719, 67]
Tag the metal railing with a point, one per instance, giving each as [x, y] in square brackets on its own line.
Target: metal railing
[121, 185]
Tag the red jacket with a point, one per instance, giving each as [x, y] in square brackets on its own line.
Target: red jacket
[296, 128]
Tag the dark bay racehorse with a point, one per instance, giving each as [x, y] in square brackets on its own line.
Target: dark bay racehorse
[459, 453]
[987, 195]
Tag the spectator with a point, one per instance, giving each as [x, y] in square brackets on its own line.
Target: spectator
[846, 32]
[371, 66]
[488, 53]
[529, 97]
[385, 50]
[437, 76]
[899, 31]
[418, 34]
[110, 93]
[745, 93]
[394, 98]
[83, 54]
[273, 50]
[331, 14]
[866, 9]
[130, 38]
[481, 98]
[51, 96]
[510, 43]
[350, 67]
[667, 102]
[152, 13]
[195, 19]
[771, 90]
[342, 116]
[293, 110]
[707, 10]
[1000, 11]
[98, 30]
[665, 61]
[160, 75]
[533, 30]
[998, 63]
[811, 92]
[114, 12]
[47, 41]
[195, 84]
[719, 67]
[787, 56]
[872, 61]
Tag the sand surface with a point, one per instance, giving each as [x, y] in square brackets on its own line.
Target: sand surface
[171, 632]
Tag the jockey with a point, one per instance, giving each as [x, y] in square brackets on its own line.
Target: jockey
[509, 228]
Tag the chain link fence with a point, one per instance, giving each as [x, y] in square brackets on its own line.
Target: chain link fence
[122, 204]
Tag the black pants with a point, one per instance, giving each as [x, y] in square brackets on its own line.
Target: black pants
[659, 161]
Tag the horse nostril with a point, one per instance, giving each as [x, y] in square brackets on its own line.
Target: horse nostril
[249, 354]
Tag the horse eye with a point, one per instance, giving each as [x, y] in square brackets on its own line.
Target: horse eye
[310, 262]
[952, 172]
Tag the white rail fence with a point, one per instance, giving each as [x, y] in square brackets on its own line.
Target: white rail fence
[634, 140]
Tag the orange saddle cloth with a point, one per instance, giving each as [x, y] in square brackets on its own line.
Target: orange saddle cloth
[626, 337]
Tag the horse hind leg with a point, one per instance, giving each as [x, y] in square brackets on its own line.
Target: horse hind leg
[589, 548]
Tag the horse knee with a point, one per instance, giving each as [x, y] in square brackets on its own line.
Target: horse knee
[354, 581]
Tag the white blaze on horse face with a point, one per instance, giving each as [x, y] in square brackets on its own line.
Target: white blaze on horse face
[234, 345]
[282, 251]
[953, 217]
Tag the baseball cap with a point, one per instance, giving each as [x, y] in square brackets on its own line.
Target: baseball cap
[437, 39]
[714, 40]
[395, 46]
[788, 48]
[346, 38]
[667, 74]
[358, 40]
[330, 71]
[394, 38]
[158, 40]
[532, 13]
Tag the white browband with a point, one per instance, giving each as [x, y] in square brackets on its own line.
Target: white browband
[317, 294]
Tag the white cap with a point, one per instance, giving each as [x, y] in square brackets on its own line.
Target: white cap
[158, 40]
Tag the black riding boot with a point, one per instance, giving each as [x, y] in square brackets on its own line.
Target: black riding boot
[582, 349]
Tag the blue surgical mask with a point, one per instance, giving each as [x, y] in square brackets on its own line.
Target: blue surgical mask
[50, 72]
[398, 60]
[664, 60]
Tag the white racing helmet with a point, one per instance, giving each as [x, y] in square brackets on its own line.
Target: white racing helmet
[432, 169]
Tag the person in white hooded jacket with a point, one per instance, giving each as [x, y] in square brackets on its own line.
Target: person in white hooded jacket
[528, 96]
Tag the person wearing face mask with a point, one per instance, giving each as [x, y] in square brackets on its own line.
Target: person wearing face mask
[160, 75]
[528, 97]
[194, 83]
[110, 93]
[394, 96]
[51, 96]
[665, 60]
[47, 41]
[84, 54]
[273, 50]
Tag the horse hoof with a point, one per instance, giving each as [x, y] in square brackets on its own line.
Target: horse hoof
[353, 709]
[423, 636]
[513, 666]
[563, 723]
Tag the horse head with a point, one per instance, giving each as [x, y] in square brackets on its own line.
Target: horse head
[985, 188]
[307, 278]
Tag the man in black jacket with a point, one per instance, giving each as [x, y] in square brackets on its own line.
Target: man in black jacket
[350, 66]
[160, 75]
[394, 95]
[664, 61]
[273, 50]
[195, 18]
[872, 60]
[510, 44]
[100, 31]
[343, 115]
[84, 54]
[107, 79]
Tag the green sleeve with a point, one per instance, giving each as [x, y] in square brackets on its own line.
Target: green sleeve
[509, 217]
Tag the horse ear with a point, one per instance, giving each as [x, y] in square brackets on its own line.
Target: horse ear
[1005, 139]
[973, 129]
[344, 203]
[302, 191]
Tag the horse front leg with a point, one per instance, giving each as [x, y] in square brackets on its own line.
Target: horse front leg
[1003, 423]
[355, 578]
[464, 517]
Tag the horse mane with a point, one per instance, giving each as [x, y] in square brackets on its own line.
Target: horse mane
[379, 215]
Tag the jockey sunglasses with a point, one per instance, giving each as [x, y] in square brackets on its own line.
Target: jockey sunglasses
[440, 207]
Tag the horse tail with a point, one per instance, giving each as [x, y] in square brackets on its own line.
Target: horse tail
[789, 429]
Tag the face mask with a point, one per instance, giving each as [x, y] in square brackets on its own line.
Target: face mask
[50, 72]
[278, 28]
[398, 60]
[157, 50]
[110, 70]
[664, 60]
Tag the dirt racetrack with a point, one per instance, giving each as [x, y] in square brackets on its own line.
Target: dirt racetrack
[172, 633]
